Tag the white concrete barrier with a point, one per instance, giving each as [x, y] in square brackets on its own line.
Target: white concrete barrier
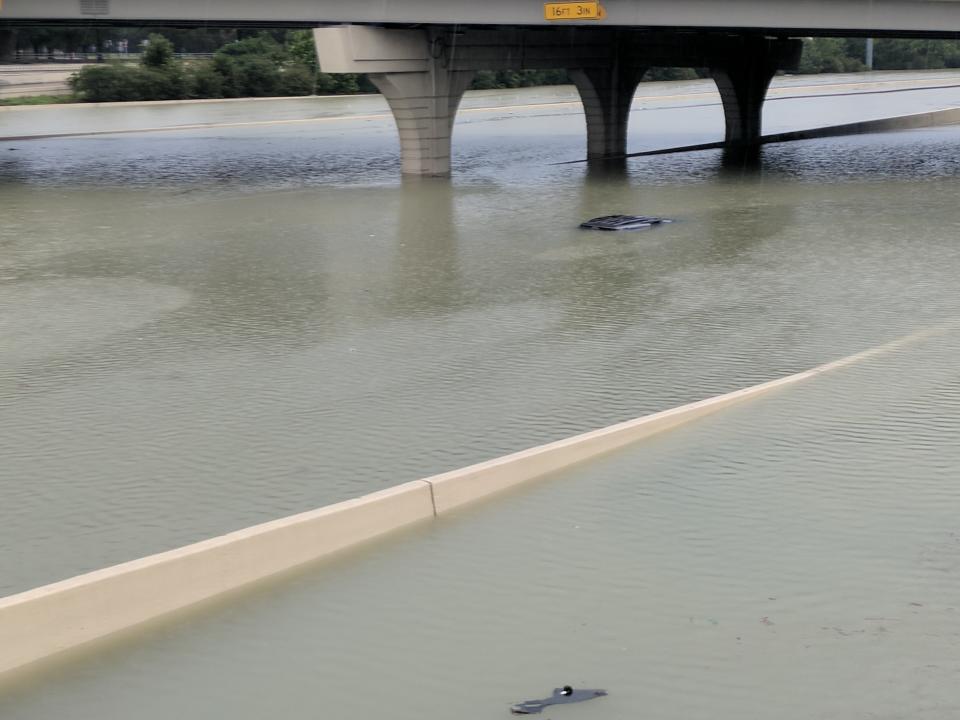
[913, 121]
[48, 620]
[453, 489]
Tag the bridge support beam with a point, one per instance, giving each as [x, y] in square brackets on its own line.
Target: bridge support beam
[743, 75]
[607, 95]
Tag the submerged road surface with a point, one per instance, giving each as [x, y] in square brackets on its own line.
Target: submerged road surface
[205, 328]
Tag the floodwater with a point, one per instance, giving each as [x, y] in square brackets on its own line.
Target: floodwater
[203, 329]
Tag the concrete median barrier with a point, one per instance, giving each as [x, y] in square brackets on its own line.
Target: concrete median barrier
[43, 622]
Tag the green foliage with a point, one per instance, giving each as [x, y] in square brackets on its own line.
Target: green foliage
[225, 67]
[258, 46]
[339, 84]
[484, 80]
[500, 79]
[256, 76]
[832, 55]
[670, 73]
[37, 100]
[168, 83]
[259, 63]
[107, 83]
[892, 54]
[298, 80]
[262, 64]
[203, 80]
[302, 49]
[247, 75]
[118, 83]
[259, 66]
[158, 53]
[848, 54]
[159, 77]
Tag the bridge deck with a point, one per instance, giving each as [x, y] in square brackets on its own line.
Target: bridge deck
[823, 17]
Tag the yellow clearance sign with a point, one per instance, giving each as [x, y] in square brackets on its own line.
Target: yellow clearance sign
[590, 10]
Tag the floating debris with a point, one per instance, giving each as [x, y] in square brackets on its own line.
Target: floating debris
[561, 696]
[623, 222]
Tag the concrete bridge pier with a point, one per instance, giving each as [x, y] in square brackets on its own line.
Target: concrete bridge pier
[413, 70]
[424, 72]
[607, 95]
[743, 76]
[424, 106]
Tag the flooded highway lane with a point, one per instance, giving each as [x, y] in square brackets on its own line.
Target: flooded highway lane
[798, 551]
[204, 329]
[183, 357]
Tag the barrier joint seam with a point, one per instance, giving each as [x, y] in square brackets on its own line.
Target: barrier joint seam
[433, 498]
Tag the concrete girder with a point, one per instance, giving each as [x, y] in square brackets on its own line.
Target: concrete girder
[365, 49]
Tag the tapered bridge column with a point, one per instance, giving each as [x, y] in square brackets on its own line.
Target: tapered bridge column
[743, 69]
[413, 69]
[607, 95]
[424, 105]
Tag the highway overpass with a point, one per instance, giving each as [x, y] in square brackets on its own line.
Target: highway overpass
[797, 17]
[422, 54]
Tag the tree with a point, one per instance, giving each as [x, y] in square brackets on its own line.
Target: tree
[670, 73]
[826, 55]
[262, 46]
[298, 80]
[895, 54]
[158, 77]
[159, 52]
[302, 49]
[108, 83]
[203, 80]
[251, 67]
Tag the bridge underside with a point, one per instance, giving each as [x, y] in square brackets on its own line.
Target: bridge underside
[872, 18]
[422, 54]
[423, 74]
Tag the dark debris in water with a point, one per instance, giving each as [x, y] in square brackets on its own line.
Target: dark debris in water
[561, 696]
[623, 222]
